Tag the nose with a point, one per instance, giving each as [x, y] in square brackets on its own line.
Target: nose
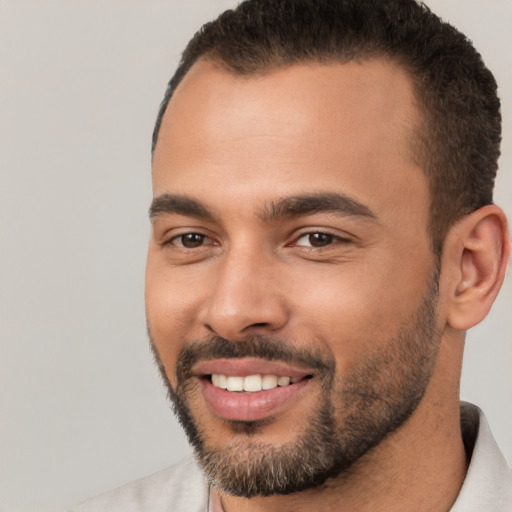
[245, 297]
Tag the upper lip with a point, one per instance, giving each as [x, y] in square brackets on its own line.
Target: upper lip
[242, 367]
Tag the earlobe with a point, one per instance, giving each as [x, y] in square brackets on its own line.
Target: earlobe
[477, 250]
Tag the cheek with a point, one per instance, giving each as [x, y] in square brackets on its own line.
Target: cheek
[352, 312]
[171, 307]
[172, 294]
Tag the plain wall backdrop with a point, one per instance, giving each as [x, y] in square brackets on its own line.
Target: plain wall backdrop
[82, 407]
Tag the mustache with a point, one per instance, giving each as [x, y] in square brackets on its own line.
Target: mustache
[257, 346]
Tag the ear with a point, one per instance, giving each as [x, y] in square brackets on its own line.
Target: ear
[475, 257]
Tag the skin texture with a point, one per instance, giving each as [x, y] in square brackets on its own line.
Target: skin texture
[235, 145]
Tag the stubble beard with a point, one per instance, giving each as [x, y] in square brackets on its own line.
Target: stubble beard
[354, 414]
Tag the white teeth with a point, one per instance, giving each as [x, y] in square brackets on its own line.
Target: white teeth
[251, 383]
[222, 381]
[235, 383]
[269, 382]
[283, 381]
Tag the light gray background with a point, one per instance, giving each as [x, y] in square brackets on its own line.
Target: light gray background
[82, 409]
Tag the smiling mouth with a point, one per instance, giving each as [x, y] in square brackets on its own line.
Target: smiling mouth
[252, 383]
[250, 389]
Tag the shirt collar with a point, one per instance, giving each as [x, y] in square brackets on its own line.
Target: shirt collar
[488, 482]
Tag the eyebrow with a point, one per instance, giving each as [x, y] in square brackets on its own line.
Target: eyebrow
[181, 205]
[309, 204]
[286, 207]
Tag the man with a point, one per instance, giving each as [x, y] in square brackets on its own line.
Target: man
[323, 237]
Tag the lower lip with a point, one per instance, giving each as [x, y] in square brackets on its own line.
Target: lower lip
[244, 406]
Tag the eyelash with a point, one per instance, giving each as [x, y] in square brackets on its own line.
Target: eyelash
[181, 237]
[332, 239]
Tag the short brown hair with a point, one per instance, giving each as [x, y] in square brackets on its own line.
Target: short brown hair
[459, 138]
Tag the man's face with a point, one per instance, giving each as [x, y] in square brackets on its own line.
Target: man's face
[290, 252]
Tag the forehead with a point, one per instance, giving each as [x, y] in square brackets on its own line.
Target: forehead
[343, 127]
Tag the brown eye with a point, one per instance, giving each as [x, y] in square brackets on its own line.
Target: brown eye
[316, 239]
[190, 240]
[320, 239]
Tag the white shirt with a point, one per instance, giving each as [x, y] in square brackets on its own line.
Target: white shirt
[182, 488]
[488, 483]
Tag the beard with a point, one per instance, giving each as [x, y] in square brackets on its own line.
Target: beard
[354, 414]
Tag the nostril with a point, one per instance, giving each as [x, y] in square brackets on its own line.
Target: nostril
[210, 328]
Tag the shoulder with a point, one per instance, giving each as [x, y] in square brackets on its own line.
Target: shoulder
[180, 488]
